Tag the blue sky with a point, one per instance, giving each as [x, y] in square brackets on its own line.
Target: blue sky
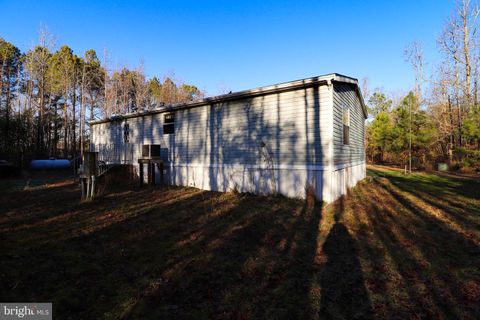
[243, 44]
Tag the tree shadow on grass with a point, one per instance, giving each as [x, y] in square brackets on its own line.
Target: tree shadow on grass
[252, 265]
[184, 253]
[430, 257]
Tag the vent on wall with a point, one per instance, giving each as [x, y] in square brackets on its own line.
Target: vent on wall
[151, 151]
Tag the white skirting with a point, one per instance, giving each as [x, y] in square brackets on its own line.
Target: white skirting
[290, 181]
[345, 178]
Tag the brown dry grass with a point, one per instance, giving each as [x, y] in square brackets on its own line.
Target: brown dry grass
[397, 247]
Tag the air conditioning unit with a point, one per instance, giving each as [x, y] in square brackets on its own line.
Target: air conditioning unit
[151, 151]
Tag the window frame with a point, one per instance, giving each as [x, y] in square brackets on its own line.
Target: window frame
[169, 123]
[126, 132]
[346, 124]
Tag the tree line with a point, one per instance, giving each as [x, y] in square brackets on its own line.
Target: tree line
[439, 120]
[48, 97]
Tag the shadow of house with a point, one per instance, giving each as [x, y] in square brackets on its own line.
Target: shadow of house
[344, 295]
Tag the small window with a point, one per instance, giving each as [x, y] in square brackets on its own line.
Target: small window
[346, 124]
[169, 123]
[126, 132]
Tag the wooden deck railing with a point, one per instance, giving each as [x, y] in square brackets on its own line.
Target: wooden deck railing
[114, 154]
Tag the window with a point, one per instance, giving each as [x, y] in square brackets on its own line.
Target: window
[126, 132]
[346, 124]
[168, 123]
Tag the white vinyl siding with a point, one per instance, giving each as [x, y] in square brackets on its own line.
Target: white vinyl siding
[286, 128]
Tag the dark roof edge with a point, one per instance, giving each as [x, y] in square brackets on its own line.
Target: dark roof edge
[281, 87]
[345, 79]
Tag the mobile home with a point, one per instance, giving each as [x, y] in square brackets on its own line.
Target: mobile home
[280, 139]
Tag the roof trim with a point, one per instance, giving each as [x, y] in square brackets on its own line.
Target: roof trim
[345, 79]
[281, 87]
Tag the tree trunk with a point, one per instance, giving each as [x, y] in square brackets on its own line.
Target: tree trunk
[40, 130]
[49, 130]
[74, 124]
[468, 68]
[1, 93]
[91, 108]
[65, 115]
[460, 138]
[452, 125]
[82, 113]
[55, 131]
[475, 92]
[7, 114]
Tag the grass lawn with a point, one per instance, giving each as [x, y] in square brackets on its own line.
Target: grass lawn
[397, 247]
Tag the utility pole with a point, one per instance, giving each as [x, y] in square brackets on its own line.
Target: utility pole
[410, 138]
